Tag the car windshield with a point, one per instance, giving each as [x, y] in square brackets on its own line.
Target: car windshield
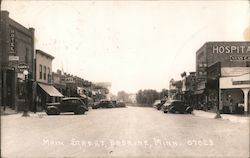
[157, 102]
[178, 103]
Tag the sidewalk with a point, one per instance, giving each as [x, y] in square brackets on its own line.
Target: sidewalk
[7, 111]
[230, 117]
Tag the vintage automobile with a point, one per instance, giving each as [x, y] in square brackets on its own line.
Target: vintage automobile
[174, 106]
[103, 104]
[71, 104]
[120, 104]
[96, 105]
[158, 104]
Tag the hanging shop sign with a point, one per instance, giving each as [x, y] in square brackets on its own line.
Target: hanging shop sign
[13, 58]
[22, 67]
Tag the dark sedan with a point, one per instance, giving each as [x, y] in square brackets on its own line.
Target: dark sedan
[75, 105]
[174, 106]
[103, 104]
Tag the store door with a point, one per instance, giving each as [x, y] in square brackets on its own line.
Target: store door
[10, 85]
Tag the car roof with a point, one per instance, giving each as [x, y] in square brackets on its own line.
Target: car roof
[176, 100]
[70, 98]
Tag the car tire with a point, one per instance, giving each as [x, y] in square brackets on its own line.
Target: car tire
[52, 111]
[189, 110]
[172, 110]
[80, 110]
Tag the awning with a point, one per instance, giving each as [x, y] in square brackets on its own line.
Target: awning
[50, 90]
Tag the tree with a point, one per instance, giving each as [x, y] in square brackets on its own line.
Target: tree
[147, 96]
[122, 95]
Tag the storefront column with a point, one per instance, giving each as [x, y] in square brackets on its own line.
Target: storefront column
[219, 99]
[245, 91]
[14, 91]
[4, 90]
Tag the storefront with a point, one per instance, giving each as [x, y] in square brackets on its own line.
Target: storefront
[46, 94]
[234, 90]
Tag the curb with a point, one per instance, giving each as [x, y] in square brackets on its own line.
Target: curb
[228, 117]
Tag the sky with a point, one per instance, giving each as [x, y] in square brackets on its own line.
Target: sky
[132, 44]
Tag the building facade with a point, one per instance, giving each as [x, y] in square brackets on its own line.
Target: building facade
[188, 86]
[212, 59]
[175, 89]
[17, 64]
[58, 80]
[45, 91]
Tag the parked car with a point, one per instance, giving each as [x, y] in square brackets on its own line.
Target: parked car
[120, 104]
[71, 104]
[96, 105]
[158, 104]
[85, 101]
[104, 104]
[174, 106]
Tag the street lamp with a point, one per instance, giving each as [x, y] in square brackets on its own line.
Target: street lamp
[25, 112]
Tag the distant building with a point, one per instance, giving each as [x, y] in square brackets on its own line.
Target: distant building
[188, 88]
[175, 88]
[17, 53]
[58, 80]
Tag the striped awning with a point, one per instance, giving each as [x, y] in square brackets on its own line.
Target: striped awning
[50, 90]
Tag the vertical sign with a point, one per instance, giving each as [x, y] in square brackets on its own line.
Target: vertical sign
[12, 41]
[12, 52]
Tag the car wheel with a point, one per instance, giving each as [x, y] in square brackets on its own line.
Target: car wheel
[52, 111]
[189, 110]
[172, 110]
[80, 110]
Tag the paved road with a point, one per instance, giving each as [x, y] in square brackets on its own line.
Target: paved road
[123, 132]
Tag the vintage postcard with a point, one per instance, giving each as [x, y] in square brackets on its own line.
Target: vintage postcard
[146, 78]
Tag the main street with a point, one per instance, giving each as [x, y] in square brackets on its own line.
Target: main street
[122, 132]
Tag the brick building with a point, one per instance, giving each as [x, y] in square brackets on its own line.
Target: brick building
[216, 63]
[17, 53]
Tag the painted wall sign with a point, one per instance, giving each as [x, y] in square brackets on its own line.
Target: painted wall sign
[240, 58]
[241, 82]
[69, 80]
[231, 49]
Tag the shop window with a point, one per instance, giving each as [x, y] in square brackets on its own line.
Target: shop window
[40, 71]
[44, 72]
[27, 55]
[49, 76]
[21, 89]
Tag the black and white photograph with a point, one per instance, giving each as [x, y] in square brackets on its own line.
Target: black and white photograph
[125, 78]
